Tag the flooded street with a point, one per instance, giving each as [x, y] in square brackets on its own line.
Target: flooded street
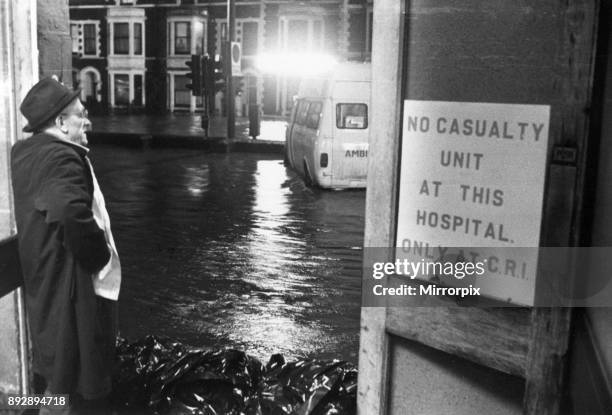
[271, 128]
[232, 250]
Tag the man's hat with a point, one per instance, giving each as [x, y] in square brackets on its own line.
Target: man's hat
[45, 101]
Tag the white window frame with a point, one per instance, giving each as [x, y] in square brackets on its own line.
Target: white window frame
[189, 37]
[239, 23]
[193, 107]
[81, 38]
[283, 31]
[192, 20]
[131, 48]
[111, 44]
[133, 38]
[131, 73]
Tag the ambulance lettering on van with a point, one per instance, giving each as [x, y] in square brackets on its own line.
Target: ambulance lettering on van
[356, 153]
[355, 150]
[327, 135]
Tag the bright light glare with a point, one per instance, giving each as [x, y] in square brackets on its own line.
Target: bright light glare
[294, 64]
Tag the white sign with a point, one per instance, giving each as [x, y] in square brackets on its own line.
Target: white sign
[236, 52]
[472, 176]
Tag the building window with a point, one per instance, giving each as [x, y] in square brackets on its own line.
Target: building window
[122, 38]
[360, 32]
[317, 34]
[137, 38]
[247, 33]
[222, 34]
[122, 89]
[250, 33]
[90, 39]
[182, 95]
[138, 90]
[198, 35]
[76, 37]
[85, 37]
[182, 43]
[298, 33]
[127, 89]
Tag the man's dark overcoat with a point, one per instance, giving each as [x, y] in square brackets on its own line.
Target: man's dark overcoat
[60, 247]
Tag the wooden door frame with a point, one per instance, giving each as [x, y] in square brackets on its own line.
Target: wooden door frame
[543, 332]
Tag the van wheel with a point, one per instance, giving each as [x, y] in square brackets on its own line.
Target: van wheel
[286, 158]
[307, 178]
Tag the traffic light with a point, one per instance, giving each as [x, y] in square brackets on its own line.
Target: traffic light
[208, 75]
[218, 75]
[195, 64]
[213, 77]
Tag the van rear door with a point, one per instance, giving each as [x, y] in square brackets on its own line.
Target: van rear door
[351, 133]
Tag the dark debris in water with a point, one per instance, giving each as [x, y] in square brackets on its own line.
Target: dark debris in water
[166, 377]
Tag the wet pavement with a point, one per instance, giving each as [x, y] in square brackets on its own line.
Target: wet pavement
[186, 125]
[232, 250]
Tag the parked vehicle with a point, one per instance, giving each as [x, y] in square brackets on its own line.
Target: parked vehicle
[327, 135]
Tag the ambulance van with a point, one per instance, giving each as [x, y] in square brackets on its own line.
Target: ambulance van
[327, 135]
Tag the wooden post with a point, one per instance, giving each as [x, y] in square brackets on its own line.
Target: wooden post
[382, 194]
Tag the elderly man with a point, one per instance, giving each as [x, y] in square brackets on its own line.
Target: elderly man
[70, 265]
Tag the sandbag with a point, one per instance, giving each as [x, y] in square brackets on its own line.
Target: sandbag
[165, 377]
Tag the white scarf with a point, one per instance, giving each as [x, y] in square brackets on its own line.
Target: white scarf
[107, 281]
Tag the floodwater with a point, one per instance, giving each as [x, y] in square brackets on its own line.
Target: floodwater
[186, 125]
[232, 250]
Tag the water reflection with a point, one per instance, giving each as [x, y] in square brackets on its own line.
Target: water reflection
[269, 252]
[231, 250]
[196, 180]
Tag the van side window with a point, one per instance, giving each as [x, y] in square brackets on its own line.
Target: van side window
[314, 114]
[352, 116]
[301, 113]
